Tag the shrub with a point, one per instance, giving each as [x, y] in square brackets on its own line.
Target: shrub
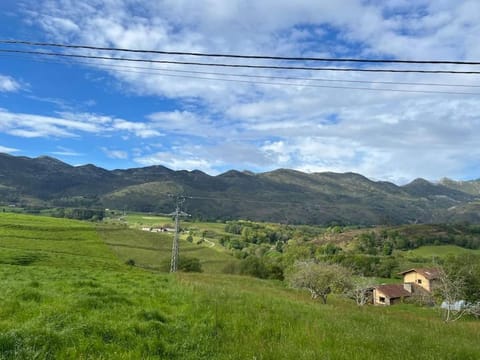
[190, 264]
[130, 262]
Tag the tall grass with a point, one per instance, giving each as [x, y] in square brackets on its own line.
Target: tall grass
[76, 300]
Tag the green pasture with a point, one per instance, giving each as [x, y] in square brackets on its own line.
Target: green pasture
[153, 250]
[66, 293]
[440, 251]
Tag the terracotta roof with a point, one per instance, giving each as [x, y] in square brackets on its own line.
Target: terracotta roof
[428, 273]
[393, 290]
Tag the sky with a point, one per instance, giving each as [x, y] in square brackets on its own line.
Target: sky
[122, 114]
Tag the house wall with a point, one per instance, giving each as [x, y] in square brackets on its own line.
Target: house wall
[416, 278]
[376, 298]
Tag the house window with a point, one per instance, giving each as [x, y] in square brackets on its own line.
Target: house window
[381, 299]
[419, 281]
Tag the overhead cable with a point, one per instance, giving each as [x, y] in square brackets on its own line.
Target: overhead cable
[278, 67]
[240, 56]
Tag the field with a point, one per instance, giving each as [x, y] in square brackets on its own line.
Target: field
[153, 250]
[440, 251]
[67, 293]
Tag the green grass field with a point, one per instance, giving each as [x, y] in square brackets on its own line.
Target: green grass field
[440, 251]
[67, 294]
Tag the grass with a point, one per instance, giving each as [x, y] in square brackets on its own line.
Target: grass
[440, 251]
[153, 250]
[64, 299]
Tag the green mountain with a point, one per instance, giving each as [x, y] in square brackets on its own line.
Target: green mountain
[471, 187]
[282, 195]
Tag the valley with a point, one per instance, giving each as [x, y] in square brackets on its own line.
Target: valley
[68, 292]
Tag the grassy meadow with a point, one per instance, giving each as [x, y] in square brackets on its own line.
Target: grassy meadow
[440, 251]
[66, 293]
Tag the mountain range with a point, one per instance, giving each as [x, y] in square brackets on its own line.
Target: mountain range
[282, 195]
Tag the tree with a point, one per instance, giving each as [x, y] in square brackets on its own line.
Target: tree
[459, 286]
[319, 278]
[360, 290]
[451, 288]
[187, 264]
[253, 266]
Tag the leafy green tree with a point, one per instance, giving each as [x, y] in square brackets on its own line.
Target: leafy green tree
[187, 264]
[254, 266]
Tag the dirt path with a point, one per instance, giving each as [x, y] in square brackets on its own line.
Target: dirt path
[210, 243]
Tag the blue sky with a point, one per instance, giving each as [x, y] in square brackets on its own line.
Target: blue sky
[119, 117]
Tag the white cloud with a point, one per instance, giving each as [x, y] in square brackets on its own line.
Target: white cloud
[8, 84]
[382, 134]
[6, 149]
[29, 126]
[177, 161]
[69, 124]
[63, 151]
[140, 129]
[115, 154]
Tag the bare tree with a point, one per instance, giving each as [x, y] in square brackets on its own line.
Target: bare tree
[474, 310]
[319, 278]
[451, 288]
[360, 290]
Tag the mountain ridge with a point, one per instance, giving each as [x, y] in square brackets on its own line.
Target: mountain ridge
[281, 195]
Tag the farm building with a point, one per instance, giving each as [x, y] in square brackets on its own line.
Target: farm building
[415, 281]
[424, 278]
[390, 294]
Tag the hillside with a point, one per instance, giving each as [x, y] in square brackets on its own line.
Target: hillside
[471, 187]
[65, 295]
[282, 195]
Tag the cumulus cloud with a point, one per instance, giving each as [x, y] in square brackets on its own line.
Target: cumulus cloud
[8, 84]
[380, 133]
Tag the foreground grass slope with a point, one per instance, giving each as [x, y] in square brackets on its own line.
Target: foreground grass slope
[65, 295]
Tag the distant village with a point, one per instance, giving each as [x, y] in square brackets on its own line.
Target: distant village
[158, 229]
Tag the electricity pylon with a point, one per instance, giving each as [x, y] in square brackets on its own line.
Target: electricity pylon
[175, 247]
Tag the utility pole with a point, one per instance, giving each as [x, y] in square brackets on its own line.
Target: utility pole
[174, 262]
[175, 247]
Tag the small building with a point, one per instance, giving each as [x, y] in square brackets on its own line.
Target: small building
[389, 294]
[424, 277]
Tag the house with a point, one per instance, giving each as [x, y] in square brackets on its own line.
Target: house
[424, 278]
[420, 282]
[389, 294]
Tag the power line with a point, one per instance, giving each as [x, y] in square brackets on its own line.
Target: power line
[287, 77]
[316, 86]
[73, 62]
[241, 65]
[238, 56]
[159, 73]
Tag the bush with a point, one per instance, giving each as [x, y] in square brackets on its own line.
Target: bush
[253, 266]
[261, 268]
[190, 264]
